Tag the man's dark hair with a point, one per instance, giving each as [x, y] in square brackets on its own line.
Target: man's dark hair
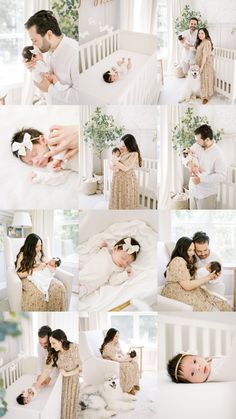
[44, 22]
[44, 331]
[201, 237]
[193, 18]
[205, 131]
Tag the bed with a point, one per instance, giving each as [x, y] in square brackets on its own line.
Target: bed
[139, 87]
[143, 286]
[47, 405]
[206, 336]
[17, 190]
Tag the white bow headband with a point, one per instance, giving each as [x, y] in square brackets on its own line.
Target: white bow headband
[26, 144]
[129, 248]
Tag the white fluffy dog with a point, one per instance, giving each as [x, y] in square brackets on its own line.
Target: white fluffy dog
[106, 399]
[192, 87]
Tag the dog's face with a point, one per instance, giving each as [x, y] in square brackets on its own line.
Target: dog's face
[111, 383]
[194, 71]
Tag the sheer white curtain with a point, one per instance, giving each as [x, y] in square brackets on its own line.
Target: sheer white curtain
[171, 172]
[138, 15]
[94, 321]
[174, 10]
[31, 7]
[43, 223]
[68, 322]
[85, 152]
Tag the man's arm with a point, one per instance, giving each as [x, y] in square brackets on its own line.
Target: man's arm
[70, 95]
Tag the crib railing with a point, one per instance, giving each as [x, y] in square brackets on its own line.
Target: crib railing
[10, 372]
[147, 197]
[227, 190]
[96, 50]
[225, 72]
[207, 338]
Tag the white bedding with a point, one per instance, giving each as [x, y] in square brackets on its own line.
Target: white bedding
[144, 282]
[94, 90]
[195, 401]
[17, 190]
[46, 405]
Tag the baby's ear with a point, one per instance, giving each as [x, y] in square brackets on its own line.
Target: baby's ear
[42, 139]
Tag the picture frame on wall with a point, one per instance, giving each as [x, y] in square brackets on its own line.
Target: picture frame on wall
[14, 232]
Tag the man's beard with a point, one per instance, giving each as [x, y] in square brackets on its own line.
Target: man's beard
[46, 46]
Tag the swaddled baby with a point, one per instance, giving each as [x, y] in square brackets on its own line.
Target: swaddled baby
[42, 279]
[108, 266]
[118, 72]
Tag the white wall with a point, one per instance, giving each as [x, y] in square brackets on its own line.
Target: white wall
[92, 19]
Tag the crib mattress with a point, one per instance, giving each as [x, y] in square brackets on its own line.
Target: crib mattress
[195, 401]
[93, 89]
[47, 405]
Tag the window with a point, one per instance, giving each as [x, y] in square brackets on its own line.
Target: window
[11, 40]
[219, 225]
[162, 29]
[66, 236]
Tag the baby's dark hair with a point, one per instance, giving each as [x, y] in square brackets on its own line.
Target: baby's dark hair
[19, 136]
[215, 266]
[57, 261]
[27, 53]
[20, 399]
[107, 77]
[176, 376]
[133, 242]
[115, 150]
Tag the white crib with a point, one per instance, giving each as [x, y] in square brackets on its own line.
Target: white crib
[227, 191]
[147, 181]
[142, 89]
[18, 375]
[225, 72]
[207, 338]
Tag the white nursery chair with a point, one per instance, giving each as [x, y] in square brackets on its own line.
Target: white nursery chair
[94, 367]
[164, 251]
[14, 286]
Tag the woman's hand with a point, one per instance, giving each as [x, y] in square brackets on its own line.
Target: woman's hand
[63, 139]
[63, 372]
[213, 275]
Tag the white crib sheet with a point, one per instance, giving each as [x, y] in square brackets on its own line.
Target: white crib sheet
[142, 285]
[95, 91]
[195, 401]
[17, 190]
[47, 405]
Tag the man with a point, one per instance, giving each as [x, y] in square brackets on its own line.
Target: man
[44, 334]
[60, 53]
[202, 250]
[188, 45]
[211, 170]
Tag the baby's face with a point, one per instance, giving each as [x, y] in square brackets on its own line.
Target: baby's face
[195, 369]
[208, 267]
[116, 154]
[52, 263]
[35, 157]
[28, 396]
[113, 76]
[121, 258]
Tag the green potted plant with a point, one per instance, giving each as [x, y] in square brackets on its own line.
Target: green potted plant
[183, 133]
[181, 23]
[67, 13]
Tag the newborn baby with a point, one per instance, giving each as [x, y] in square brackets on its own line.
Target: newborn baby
[30, 146]
[115, 158]
[108, 266]
[42, 279]
[118, 72]
[31, 53]
[210, 267]
[191, 159]
[27, 396]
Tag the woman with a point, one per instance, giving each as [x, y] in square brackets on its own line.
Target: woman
[124, 188]
[181, 284]
[29, 259]
[204, 60]
[129, 373]
[64, 355]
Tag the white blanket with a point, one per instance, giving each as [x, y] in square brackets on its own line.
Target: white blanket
[144, 282]
[46, 405]
[17, 190]
[94, 90]
[195, 401]
[42, 280]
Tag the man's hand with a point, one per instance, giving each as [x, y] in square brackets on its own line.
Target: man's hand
[44, 84]
[30, 65]
[196, 180]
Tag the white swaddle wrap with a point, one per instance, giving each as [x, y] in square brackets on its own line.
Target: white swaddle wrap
[224, 368]
[42, 280]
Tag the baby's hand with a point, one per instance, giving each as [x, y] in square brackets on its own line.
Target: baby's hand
[103, 244]
[130, 272]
